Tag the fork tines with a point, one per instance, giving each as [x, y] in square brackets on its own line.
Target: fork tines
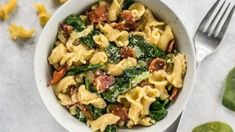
[217, 19]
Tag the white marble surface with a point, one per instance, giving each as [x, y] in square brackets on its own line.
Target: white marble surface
[21, 108]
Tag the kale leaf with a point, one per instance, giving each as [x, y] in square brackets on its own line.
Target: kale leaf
[149, 51]
[84, 68]
[114, 53]
[80, 116]
[88, 40]
[96, 112]
[76, 21]
[111, 128]
[127, 4]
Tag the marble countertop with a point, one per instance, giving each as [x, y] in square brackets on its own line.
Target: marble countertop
[21, 108]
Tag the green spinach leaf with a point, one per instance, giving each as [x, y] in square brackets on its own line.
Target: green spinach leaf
[111, 128]
[229, 92]
[96, 112]
[120, 86]
[76, 21]
[158, 115]
[88, 40]
[158, 109]
[80, 116]
[132, 77]
[111, 94]
[84, 68]
[89, 86]
[134, 71]
[139, 78]
[127, 4]
[136, 75]
[114, 53]
[149, 51]
[155, 106]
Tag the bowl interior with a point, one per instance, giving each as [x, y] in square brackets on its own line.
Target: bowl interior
[46, 42]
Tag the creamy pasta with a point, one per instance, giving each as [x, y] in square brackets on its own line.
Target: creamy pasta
[116, 66]
[43, 14]
[20, 32]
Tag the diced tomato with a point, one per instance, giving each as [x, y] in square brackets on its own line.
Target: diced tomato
[157, 64]
[120, 111]
[58, 75]
[129, 17]
[174, 94]
[127, 52]
[103, 82]
[100, 14]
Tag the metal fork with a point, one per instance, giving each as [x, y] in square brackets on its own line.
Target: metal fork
[211, 31]
[212, 28]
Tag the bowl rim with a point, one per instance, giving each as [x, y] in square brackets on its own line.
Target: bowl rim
[64, 6]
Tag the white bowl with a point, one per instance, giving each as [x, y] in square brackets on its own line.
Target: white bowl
[46, 42]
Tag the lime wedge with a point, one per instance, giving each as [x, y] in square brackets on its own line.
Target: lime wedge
[213, 127]
[229, 92]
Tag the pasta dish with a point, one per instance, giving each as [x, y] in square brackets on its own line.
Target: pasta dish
[116, 65]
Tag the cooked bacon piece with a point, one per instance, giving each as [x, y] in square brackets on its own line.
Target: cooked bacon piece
[174, 94]
[120, 111]
[103, 82]
[129, 17]
[157, 64]
[127, 52]
[127, 22]
[100, 14]
[120, 26]
[58, 75]
[66, 28]
[170, 46]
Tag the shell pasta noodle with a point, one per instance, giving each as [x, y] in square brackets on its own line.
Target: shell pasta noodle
[20, 32]
[7, 8]
[116, 66]
[43, 14]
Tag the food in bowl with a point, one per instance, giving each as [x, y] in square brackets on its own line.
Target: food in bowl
[116, 66]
